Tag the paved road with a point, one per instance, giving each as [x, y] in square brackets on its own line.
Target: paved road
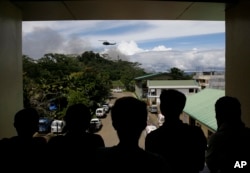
[108, 133]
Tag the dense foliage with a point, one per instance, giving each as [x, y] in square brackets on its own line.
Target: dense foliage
[63, 80]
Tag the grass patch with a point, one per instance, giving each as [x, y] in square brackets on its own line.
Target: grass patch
[117, 84]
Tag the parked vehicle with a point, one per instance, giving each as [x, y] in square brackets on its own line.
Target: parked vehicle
[44, 125]
[117, 90]
[153, 109]
[57, 126]
[106, 107]
[100, 113]
[95, 125]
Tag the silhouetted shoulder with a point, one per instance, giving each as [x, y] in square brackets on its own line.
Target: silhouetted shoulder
[97, 140]
[179, 144]
[126, 160]
[56, 140]
[3, 144]
[87, 140]
[246, 131]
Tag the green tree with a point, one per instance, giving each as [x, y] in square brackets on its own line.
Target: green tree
[85, 78]
[130, 70]
[88, 87]
[178, 74]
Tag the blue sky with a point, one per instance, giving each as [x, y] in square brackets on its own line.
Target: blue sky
[157, 44]
[204, 41]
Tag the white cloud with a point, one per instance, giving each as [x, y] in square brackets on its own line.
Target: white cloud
[46, 40]
[75, 37]
[161, 48]
[142, 30]
[185, 60]
[129, 48]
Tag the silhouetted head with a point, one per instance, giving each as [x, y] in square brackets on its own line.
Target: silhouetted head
[129, 115]
[26, 122]
[172, 103]
[228, 109]
[77, 118]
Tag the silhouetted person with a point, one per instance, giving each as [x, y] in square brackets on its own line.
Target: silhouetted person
[230, 144]
[129, 119]
[77, 146]
[24, 150]
[182, 145]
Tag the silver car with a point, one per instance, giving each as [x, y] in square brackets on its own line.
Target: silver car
[95, 125]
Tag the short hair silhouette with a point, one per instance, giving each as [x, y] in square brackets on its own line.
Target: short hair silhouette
[26, 122]
[228, 109]
[24, 148]
[126, 108]
[77, 117]
[181, 144]
[230, 143]
[76, 142]
[129, 119]
[172, 103]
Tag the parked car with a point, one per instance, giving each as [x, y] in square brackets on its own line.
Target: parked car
[153, 109]
[100, 113]
[57, 126]
[106, 107]
[149, 128]
[95, 125]
[44, 125]
[117, 90]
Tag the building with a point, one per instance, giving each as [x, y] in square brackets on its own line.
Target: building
[141, 89]
[210, 79]
[199, 109]
[187, 87]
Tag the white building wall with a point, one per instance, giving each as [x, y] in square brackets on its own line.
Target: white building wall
[158, 93]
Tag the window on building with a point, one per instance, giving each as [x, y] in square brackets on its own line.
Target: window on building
[153, 92]
[198, 124]
[191, 90]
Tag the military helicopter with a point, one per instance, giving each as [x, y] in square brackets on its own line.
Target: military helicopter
[106, 43]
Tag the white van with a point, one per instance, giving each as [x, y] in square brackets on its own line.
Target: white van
[100, 112]
[57, 126]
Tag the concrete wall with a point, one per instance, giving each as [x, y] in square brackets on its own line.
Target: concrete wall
[138, 89]
[11, 98]
[187, 119]
[237, 77]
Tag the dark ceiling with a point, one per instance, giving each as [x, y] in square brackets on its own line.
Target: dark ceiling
[33, 10]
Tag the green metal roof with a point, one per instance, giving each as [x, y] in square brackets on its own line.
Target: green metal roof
[172, 83]
[200, 106]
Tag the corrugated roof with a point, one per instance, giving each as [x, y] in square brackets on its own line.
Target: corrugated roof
[154, 83]
[200, 106]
